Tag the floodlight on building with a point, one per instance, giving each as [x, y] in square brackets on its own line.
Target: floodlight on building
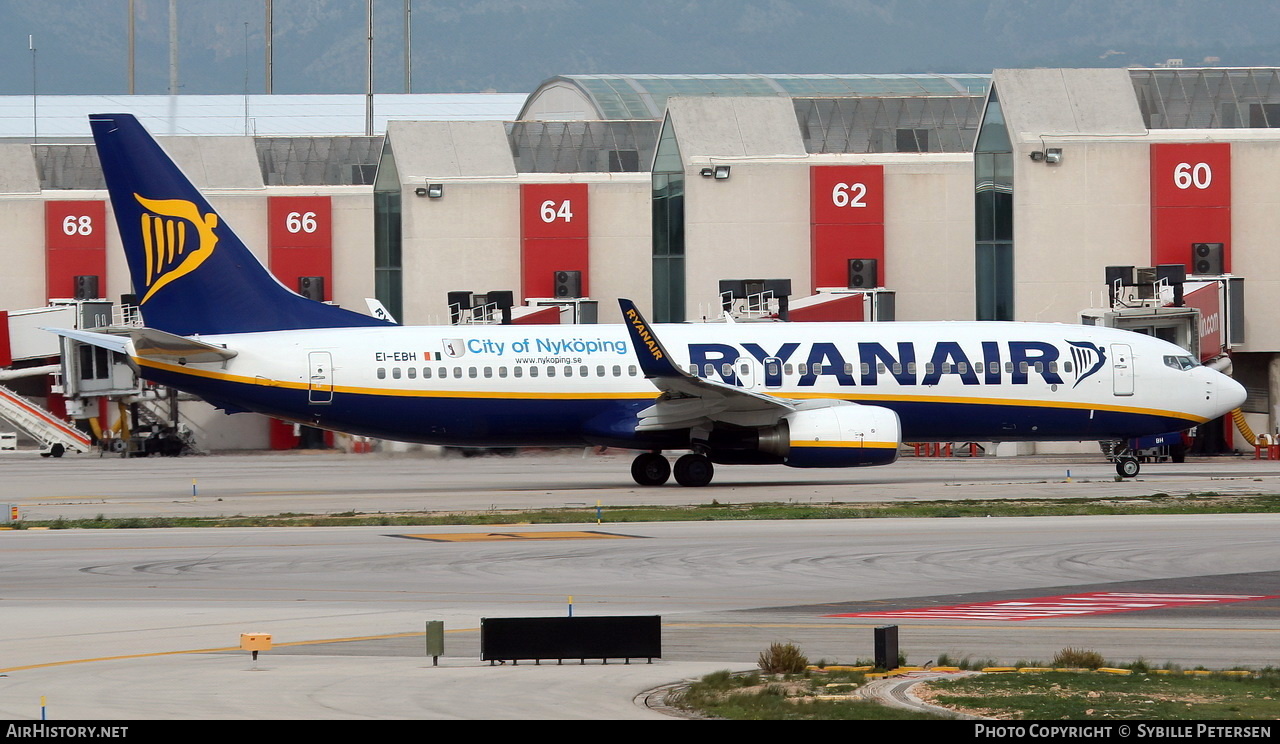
[435, 190]
[721, 172]
[1053, 155]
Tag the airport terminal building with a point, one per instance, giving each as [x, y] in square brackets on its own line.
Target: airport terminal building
[1147, 199]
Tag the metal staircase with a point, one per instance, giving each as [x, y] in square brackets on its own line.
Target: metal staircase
[55, 435]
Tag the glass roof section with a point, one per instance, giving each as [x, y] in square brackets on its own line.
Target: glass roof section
[287, 161]
[645, 96]
[1208, 97]
[582, 146]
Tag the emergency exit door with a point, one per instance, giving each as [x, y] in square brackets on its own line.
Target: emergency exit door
[320, 381]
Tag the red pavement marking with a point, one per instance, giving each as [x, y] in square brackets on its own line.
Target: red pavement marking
[1066, 605]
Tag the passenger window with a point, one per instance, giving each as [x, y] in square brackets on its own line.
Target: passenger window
[395, 373]
[488, 371]
[568, 371]
[533, 372]
[726, 369]
[412, 372]
[617, 370]
[631, 370]
[502, 371]
[1067, 367]
[426, 373]
[1022, 367]
[708, 370]
[600, 371]
[994, 368]
[911, 368]
[848, 368]
[551, 371]
[517, 371]
[457, 372]
[962, 367]
[786, 369]
[583, 370]
[866, 369]
[693, 370]
[897, 368]
[1008, 366]
[382, 373]
[471, 372]
[929, 368]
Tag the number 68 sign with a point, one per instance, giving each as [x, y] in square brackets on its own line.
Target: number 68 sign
[75, 224]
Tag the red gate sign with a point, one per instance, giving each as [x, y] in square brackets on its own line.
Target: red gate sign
[1066, 605]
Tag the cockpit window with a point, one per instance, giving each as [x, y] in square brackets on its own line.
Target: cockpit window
[1179, 362]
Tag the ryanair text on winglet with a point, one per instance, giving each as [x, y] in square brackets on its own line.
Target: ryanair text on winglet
[643, 334]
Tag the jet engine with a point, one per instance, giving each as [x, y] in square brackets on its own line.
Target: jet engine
[822, 434]
[844, 435]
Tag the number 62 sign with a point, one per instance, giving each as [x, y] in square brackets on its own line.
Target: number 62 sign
[846, 194]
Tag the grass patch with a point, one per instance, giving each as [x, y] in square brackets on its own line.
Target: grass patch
[753, 697]
[1139, 696]
[1203, 503]
[1082, 696]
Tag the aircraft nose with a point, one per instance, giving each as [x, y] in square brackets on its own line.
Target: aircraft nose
[1229, 394]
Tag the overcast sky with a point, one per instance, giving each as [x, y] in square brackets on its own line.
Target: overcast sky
[512, 45]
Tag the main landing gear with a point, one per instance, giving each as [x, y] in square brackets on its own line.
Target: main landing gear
[652, 469]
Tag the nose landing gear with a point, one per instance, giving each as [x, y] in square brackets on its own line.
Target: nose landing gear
[1127, 466]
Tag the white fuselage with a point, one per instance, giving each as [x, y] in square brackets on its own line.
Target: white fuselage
[490, 385]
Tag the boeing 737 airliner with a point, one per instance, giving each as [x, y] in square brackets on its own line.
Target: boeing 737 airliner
[218, 325]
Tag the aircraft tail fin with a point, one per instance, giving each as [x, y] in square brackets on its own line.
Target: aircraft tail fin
[654, 359]
[192, 273]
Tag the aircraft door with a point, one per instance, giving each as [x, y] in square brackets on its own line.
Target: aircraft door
[1122, 368]
[320, 378]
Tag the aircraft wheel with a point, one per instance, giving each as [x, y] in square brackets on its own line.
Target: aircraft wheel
[1127, 467]
[694, 471]
[650, 469]
[57, 450]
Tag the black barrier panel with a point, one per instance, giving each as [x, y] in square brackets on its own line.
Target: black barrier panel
[886, 638]
[516, 638]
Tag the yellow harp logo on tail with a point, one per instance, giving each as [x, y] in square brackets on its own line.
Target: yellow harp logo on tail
[170, 252]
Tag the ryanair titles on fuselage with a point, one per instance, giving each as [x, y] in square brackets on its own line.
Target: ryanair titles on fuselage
[996, 363]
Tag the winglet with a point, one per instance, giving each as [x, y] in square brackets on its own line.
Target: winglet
[654, 359]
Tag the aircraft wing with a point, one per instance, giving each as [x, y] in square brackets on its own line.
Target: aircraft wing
[686, 400]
